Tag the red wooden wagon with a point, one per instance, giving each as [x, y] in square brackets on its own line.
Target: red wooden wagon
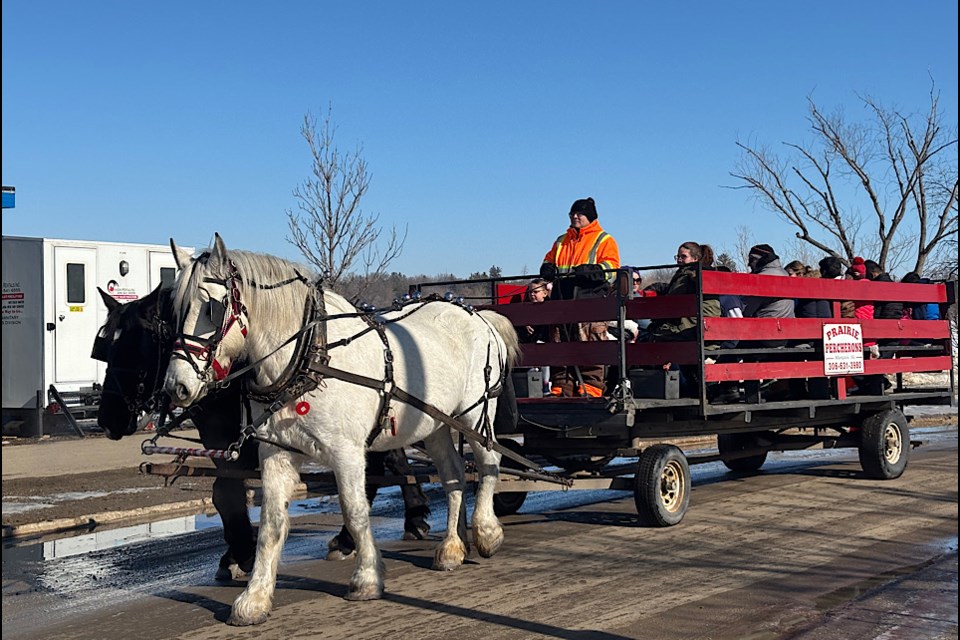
[642, 406]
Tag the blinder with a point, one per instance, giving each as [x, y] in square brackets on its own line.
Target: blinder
[212, 326]
[102, 346]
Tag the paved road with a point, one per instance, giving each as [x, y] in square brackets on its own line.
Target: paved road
[72, 455]
[806, 549]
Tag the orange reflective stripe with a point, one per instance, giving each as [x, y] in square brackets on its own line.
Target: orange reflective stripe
[592, 391]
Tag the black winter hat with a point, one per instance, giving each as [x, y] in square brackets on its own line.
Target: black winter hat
[587, 207]
[763, 251]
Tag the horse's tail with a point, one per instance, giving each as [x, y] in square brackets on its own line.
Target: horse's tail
[509, 335]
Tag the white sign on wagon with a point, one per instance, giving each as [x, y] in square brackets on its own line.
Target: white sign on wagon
[842, 349]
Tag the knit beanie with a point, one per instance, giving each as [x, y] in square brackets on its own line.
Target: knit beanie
[858, 267]
[763, 252]
[760, 256]
[585, 206]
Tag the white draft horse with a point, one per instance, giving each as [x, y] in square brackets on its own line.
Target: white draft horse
[238, 304]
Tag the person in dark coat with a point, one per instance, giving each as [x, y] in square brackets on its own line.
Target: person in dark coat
[764, 261]
[891, 310]
[875, 385]
[684, 281]
[814, 388]
[811, 307]
[831, 268]
[921, 310]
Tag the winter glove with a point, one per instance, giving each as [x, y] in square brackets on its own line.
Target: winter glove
[548, 271]
[589, 275]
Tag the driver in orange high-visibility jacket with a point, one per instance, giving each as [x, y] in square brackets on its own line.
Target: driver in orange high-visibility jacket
[582, 264]
[585, 250]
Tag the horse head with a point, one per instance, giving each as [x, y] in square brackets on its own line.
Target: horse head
[211, 326]
[135, 343]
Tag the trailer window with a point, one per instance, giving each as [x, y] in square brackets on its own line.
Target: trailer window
[167, 276]
[76, 289]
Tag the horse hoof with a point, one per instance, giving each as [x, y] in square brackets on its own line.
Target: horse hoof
[449, 555]
[418, 532]
[487, 546]
[236, 621]
[231, 573]
[340, 554]
[488, 551]
[362, 595]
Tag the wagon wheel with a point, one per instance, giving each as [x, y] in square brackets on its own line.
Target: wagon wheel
[662, 486]
[729, 443]
[884, 445]
[507, 503]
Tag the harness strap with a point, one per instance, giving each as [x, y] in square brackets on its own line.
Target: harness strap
[472, 435]
[430, 410]
[304, 338]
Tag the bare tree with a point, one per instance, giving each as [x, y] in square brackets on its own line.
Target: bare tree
[799, 250]
[886, 190]
[330, 228]
[728, 261]
[744, 242]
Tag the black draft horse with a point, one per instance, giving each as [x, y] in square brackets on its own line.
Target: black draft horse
[135, 342]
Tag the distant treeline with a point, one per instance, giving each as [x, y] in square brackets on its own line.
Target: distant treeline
[380, 291]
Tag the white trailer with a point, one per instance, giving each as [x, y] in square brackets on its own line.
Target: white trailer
[52, 311]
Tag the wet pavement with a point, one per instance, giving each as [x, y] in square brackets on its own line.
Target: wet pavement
[105, 574]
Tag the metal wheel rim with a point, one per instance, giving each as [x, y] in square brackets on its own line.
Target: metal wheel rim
[672, 487]
[892, 443]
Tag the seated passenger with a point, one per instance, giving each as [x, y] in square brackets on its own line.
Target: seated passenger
[690, 256]
[637, 283]
[809, 307]
[859, 309]
[890, 310]
[684, 281]
[796, 269]
[875, 385]
[731, 306]
[932, 309]
[921, 310]
[643, 324]
[814, 388]
[831, 268]
[764, 261]
[538, 290]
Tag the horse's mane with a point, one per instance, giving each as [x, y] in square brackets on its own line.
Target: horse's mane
[260, 273]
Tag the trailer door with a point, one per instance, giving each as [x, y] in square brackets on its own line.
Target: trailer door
[75, 315]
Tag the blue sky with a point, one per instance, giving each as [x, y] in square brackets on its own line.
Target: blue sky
[480, 123]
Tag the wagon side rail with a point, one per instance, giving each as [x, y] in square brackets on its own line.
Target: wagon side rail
[906, 345]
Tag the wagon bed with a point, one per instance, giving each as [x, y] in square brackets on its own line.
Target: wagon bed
[582, 434]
